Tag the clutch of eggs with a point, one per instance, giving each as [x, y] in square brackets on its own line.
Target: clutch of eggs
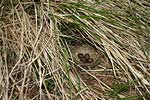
[85, 49]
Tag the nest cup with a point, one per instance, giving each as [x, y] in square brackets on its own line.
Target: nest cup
[84, 50]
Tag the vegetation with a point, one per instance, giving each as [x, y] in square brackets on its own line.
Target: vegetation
[74, 50]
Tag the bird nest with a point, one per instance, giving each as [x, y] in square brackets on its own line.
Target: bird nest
[85, 55]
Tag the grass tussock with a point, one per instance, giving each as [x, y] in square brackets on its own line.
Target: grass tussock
[40, 43]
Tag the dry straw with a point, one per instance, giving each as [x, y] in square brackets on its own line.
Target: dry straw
[37, 58]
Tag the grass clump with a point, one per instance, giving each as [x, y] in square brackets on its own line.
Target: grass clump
[40, 42]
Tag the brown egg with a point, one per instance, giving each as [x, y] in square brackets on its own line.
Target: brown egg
[90, 60]
[83, 60]
[80, 55]
[87, 56]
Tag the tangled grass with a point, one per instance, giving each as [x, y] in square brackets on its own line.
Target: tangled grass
[37, 57]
